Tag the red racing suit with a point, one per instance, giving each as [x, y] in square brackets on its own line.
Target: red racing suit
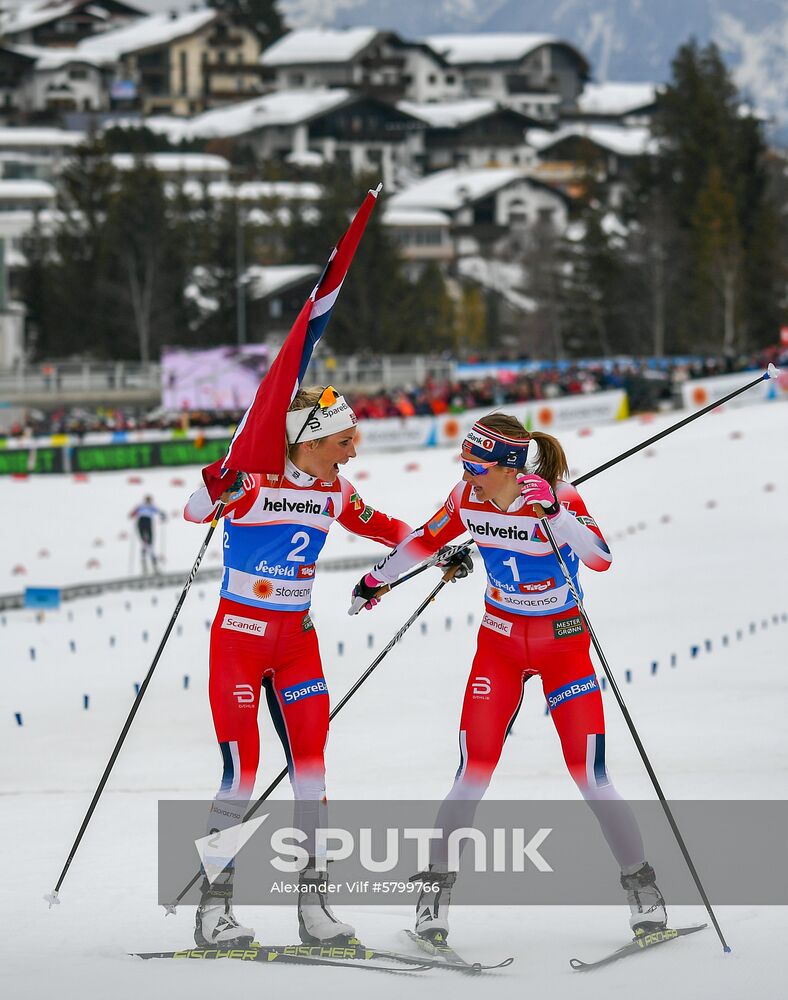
[262, 634]
[531, 626]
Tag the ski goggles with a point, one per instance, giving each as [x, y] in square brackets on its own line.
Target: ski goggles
[477, 468]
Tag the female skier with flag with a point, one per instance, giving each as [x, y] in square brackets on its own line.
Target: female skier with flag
[531, 626]
[274, 530]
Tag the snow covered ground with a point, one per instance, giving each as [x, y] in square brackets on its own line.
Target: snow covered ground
[697, 526]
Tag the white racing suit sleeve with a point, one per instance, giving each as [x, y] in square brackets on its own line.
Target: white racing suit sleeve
[587, 545]
[199, 507]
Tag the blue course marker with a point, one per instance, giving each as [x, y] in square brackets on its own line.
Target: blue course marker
[18, 717]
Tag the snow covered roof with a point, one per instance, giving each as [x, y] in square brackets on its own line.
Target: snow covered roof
[148, 32]
[31, 15]
[175, 162]
[305, 158]
[285, 191]
[632, 141]
[284, 107]
[616, 98]
[449, 114]
[53, 58]
[501, 277]
[264, 281]
[26, 189]
[488, 48]
[16, 138]
[318, 45]
[449, 190]
[395, 216]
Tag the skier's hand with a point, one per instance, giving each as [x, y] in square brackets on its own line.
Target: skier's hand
[458, 556]
[236, 490]
[364, 594]
[535, 490]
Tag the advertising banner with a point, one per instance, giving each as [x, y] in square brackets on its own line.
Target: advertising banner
[701, 391]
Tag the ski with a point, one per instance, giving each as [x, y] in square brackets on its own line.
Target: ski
[448, 957]
[639, 944]
[353, 955]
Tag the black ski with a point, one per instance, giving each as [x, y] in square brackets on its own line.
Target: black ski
[354, 956]
[437, 946]
[639, 944]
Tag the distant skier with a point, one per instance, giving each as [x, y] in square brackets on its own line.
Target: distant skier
[530, 627]
[144, 514]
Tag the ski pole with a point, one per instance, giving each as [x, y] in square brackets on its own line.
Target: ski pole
[771, 372]
[52, 897]
[428, 564]
[447, 576]
[628, 719]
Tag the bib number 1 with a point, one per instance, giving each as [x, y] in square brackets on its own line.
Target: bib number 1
[511, 562]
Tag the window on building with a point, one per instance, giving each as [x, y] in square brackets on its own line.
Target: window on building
[77, 74]
[296, 79]
[432, 78]
[450, 79]
[184, 73]
[546, 216]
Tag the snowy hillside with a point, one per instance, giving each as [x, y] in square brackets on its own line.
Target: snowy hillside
[697, 526]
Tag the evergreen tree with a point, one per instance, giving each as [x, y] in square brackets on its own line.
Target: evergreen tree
[260, 16]
[711, 171]
[73, 301]
[147, 267]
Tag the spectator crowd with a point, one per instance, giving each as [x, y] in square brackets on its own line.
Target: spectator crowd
[649, 385]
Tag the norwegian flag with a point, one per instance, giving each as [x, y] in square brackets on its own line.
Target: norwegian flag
[258, 444]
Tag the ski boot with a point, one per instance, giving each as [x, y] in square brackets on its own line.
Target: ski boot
[432, 906]
[215, 924]
[316, 921]
[646, 903]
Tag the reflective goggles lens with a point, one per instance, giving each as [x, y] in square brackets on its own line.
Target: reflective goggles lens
[477, 468]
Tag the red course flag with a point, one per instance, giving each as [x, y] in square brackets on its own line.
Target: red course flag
[258, 444]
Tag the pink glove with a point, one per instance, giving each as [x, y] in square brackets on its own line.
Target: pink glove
[534, 489]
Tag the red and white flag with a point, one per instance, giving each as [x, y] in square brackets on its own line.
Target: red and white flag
[258, 444]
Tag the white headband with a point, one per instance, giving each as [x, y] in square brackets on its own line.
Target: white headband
[331, 420]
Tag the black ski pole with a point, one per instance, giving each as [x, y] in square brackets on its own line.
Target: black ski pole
[52, 897]
[447, 576]
[628, 719]
[771, 372]
[432, 561]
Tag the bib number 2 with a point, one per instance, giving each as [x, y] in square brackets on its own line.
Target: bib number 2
[299, 541]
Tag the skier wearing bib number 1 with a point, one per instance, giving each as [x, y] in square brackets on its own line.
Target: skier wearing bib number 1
[531, 626]
[274, 530]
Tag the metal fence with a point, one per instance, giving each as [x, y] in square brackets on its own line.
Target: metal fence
[55, 380]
